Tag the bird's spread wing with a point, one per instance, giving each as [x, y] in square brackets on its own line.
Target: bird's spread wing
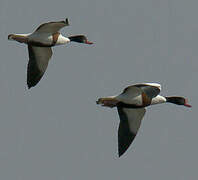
[52, 27]
[151, 90]
[38, 62]
[130, 120]
[131, 92]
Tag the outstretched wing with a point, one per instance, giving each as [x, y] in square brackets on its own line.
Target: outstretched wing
[37, 65]
[130, 120]
[52, 27]
[150, 89]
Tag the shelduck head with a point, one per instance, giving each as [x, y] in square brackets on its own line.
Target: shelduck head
[80, 39]
[178, 101]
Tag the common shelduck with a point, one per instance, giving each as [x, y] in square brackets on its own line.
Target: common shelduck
[131, 105]
[39, 44]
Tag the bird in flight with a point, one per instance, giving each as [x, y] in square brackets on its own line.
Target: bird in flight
[39, 45]
[131, 105]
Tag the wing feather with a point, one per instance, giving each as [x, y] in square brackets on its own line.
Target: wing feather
[130, 120]
[37, 65]
[52, 27]
[150, 90]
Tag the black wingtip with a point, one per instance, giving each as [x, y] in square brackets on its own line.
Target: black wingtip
[67, 21]
[29, 86]
[121, 152]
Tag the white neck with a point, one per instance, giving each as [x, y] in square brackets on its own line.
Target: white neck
[62, 40]
[158, 100]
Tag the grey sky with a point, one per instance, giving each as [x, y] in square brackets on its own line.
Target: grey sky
[56, 131]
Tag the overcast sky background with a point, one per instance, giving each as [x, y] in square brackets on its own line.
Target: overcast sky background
[55, 131]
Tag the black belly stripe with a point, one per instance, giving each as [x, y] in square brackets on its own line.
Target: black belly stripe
[132, 106]
[38, 44]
